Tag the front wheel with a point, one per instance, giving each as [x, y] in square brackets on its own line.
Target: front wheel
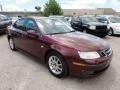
[110, 33]
[57, 65]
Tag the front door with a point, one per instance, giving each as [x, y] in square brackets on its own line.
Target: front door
[32, 39]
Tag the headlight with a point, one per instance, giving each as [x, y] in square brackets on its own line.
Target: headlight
[89, 55]
[92, 27]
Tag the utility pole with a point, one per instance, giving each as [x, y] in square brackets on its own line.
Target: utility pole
[1, 8]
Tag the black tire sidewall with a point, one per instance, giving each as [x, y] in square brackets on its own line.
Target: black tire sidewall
[65, 69]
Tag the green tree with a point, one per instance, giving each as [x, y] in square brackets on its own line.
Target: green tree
[38, 8]
[52, 8]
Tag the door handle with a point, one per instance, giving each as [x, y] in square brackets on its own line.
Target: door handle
[33, 35]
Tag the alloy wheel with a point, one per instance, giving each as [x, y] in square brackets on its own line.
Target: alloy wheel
[55, 65]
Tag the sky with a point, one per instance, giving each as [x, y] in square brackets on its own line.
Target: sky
[28, 5]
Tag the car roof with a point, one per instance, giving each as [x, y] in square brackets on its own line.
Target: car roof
[35, 17]
[39, 18]
[107, 16]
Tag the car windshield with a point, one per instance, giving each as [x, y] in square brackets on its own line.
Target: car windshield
[89, 19]
[54, 26]
[59, 17]
[114, 19]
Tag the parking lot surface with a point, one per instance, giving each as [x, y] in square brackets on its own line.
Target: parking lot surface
[19, 71]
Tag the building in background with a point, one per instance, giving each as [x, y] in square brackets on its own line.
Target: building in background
[97, 11]
[67, 12]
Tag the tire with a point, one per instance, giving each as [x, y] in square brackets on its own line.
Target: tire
[11, 44]
[57, 65]
[110, 33]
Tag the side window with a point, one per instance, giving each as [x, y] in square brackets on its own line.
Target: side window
[19, 24]
[103, 20]
[30, 25]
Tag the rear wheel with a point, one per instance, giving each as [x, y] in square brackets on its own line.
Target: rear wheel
[11, 44]
[56, 65]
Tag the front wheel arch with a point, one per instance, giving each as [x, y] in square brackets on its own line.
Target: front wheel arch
[49, 51]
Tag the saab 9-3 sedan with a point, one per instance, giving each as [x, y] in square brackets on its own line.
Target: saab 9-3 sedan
[64, 50]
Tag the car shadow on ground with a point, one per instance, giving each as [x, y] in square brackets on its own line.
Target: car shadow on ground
[102, 82]
[116, 35]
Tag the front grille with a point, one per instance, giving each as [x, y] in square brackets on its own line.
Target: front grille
[101, 27]
[105, 53]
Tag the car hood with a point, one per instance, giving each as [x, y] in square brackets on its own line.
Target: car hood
[96, 23]
[115, 24]
[80, 41]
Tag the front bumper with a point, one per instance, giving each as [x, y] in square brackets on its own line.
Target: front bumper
[93, 70]
[99, 32]
[86, 70]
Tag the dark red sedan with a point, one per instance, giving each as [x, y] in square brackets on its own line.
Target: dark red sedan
[56, 44]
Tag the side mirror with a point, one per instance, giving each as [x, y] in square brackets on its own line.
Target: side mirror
[33, 33]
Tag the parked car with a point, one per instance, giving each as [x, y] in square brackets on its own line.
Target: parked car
[64, 50]
[88, 24]
[113, 23]
[4, 22]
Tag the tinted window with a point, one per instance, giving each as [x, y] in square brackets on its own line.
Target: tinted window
[89, 19]
[30, 25]
[76, 18]
[102, 20]
[19, 24]
[114, 19]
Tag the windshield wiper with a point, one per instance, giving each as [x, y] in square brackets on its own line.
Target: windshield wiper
[58, 33]
[62, 32]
